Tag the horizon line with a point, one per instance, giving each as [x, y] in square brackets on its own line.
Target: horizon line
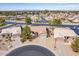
[34, 10]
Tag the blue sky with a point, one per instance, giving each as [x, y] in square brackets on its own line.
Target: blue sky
[39, 6]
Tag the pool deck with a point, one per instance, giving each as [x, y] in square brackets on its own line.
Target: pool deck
[61, 48]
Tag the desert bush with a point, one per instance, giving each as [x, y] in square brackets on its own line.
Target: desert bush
[75, 45]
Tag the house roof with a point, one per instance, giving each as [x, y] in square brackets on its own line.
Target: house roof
[61, 32]
[13, 30]
[43, 20]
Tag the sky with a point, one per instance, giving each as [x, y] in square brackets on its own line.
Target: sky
[39, 6]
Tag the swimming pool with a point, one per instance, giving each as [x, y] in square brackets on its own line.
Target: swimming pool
[31, 50]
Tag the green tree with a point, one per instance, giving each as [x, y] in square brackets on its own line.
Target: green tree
[25, 33]
[28, 20]
[45, 11]
[55, 22]
[75, 45]
[37, 19]
[2, 20]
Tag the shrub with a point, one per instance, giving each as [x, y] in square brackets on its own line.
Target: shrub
[23, 39]
[2, 20]
[26, 33]
[28, 20]
[55, 22]
[2, 24]
[75, 45]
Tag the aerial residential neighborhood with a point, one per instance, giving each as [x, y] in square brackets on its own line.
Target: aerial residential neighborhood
[39, 32]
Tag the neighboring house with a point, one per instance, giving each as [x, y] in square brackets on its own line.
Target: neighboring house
[3, 16]
[34, 18]
[43, 20]
[76, 20]
[11, 17]
[13, 30]
[49, 18]
[21, 17]
[64, 33]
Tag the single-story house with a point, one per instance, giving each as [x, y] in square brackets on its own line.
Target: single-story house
[64, 33]
[11, 17]
[76, 20]
[13, 30]
[20, 16]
